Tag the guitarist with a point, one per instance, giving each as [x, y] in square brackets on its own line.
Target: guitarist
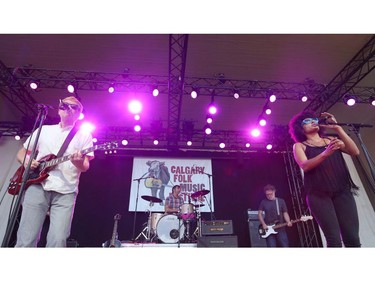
[275, 210]
[56, 195]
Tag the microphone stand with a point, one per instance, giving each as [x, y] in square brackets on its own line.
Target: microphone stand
[355, 128]
[209, 185]
[136, 204]
[42, 114]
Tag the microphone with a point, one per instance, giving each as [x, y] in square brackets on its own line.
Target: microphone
[43, 106]
[323, 120]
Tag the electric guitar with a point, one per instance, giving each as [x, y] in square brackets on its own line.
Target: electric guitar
[271, 228]
[114, 242]
[46, 164]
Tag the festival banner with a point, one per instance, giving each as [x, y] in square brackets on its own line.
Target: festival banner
[155, 177]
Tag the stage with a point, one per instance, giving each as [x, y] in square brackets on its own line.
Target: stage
[125, 244]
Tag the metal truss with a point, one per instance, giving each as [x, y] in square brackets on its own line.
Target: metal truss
[309, 236]
[177, 63]
[343, 83]
[126, 82]
[16, 92]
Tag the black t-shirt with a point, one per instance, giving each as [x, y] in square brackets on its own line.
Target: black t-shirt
[270, 210]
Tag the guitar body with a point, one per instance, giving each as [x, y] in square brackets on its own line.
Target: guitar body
[35, 176]
[152, 182]
[265, 233]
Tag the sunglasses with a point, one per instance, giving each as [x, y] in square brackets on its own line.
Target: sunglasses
[309, 121]
[66, 106]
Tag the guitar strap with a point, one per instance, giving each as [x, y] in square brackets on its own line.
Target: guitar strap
[69, 137]
[277, 207]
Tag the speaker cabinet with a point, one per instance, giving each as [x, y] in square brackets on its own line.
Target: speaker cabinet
[222, 241]
[255, 239]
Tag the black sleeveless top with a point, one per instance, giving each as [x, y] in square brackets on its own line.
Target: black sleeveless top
[332, 175]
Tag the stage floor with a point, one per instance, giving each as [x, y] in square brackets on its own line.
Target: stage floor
[161, 245]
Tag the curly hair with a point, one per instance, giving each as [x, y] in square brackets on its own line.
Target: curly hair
[296, 129]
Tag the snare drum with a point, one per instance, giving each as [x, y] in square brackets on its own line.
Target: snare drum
[187, 211]
[170, 229]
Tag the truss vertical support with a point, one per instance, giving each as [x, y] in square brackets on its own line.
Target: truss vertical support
[306, 230]
[177, 62]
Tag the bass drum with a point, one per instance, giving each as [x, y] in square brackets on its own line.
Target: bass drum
[170, 229]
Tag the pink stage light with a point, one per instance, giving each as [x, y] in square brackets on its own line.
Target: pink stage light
[272, 98]
[269, 146]
[87, 127]
[255, 132]
[262, 122]
[135, 106]
[212, 109]
[137, 128]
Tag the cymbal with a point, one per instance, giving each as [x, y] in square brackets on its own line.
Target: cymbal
[198, 205]
[151, 199]
[200, 193]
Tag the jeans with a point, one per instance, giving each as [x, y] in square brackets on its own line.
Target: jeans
[280, 239]
[337, 216]
[36, 203]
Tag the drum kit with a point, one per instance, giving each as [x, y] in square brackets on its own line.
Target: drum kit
[174, 228]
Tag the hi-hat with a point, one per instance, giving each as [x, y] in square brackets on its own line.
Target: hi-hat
[151, 199]
[200, 193]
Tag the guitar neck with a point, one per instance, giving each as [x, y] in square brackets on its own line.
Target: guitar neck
[284, 224]
[65, 158]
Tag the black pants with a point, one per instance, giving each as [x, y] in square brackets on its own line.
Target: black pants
[337, 216]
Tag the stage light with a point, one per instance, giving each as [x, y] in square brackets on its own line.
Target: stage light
[94, 140]
[268, 111]
[137, 128]
[236, 95]
[255, 132]
[194, 93]
[272, 98]
[124, 142]
[111, 89]
[372, 100]
[269, 146]
[222, 145]
[135, 106]
[262, 122]
[189, 143]
[156, 142]
[70, 88]
[34, 85]
[304, 98]
[137, 117]
[17, 137]
[207, 130]
[155, 92]
[247, 145]
[212, 109]
[349, 100]
[87, 127]
[209, 119]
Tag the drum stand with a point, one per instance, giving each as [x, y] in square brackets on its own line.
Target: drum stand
[146, 232]
[198, 230]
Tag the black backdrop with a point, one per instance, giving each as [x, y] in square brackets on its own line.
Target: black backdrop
[237, 182]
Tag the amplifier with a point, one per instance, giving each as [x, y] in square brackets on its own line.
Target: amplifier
[217, 227]
[253, 215]
[217, 242]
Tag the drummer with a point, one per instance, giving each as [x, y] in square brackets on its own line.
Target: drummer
[174, 200]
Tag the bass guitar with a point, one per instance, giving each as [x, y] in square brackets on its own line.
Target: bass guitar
[114, 242]
[271, 228]
[46, 164]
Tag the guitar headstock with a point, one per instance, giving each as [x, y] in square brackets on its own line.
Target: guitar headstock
[107, 145]
[306, 218]
[117, 217]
